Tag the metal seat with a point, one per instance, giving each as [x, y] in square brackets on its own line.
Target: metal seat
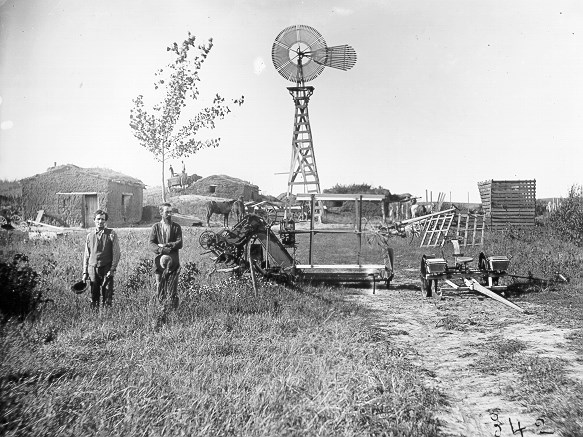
[459, 257]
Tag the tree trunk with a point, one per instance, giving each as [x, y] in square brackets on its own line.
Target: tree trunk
[163, 181]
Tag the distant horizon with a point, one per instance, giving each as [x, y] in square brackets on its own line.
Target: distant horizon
[422, 198]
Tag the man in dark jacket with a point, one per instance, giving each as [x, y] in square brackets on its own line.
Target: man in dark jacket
[165, 241]
[100, 260]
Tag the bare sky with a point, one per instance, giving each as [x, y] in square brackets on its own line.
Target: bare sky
[444, 93]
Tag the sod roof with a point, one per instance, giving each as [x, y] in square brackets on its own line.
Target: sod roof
[102, 173]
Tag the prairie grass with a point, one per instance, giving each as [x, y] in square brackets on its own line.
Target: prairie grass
[287, 361]
[542, 383]
[539, 251]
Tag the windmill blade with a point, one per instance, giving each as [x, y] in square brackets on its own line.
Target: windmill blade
[283, 44]
[282, 63]
[341, 57]
[292, 47]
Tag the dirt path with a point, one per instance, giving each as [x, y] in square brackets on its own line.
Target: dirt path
[444, 337]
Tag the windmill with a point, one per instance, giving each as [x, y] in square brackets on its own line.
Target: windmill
[299, 54]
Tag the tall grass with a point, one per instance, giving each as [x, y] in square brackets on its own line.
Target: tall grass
[567, 220]
[287, 361]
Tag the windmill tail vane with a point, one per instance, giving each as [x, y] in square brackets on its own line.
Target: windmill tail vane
[341, 57]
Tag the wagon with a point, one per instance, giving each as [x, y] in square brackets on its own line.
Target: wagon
[174, 181]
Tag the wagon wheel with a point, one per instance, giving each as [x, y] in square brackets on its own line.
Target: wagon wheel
[482, 263]
[207, 239]
[270, 216]
[426, 284]
[414, 230]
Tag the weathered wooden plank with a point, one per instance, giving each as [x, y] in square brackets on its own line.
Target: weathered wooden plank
[512, 211]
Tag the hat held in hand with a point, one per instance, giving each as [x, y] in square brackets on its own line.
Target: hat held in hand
[79, 287]
[164, 262]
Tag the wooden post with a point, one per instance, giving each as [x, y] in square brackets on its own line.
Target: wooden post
[312, 202]
[474, 285]
[475, 227]
[384, 208]
[359, 228]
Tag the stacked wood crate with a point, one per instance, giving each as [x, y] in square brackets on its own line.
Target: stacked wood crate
[508, 203]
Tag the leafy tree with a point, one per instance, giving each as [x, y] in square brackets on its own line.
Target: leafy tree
[160, 129]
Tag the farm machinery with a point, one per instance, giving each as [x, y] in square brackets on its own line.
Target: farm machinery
[252, 244]
[485, 278]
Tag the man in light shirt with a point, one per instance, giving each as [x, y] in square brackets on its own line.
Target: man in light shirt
[100, 260]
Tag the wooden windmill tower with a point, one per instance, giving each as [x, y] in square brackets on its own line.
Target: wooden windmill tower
[300, 54]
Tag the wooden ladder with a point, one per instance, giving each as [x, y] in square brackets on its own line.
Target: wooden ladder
[436, 230]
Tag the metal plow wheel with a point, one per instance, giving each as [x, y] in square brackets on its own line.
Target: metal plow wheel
[427, 285]
[207, 239]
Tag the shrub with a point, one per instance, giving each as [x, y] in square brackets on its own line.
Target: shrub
[190, 275]
[567, 220]
[142, 274]
[18, 294]
[369, 209]
[536, 251]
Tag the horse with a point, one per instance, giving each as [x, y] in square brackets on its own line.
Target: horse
[420, 211]
[224, 208]
[239, 209]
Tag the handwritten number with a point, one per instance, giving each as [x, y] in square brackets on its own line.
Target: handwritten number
[518, 429]
[498, 432]
[539, 423]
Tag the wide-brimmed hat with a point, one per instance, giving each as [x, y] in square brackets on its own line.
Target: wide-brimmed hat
[79, 287]
[164, 262]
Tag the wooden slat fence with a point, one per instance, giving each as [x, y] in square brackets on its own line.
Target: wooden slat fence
[470, 229]
[508, 202]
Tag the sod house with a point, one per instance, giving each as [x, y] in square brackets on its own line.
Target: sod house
[225, 186]
[69, 195]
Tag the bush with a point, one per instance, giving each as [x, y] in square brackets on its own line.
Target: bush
[567, 221]
[356, 189]
[142, 274]
[369, 209]
[18, 295]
